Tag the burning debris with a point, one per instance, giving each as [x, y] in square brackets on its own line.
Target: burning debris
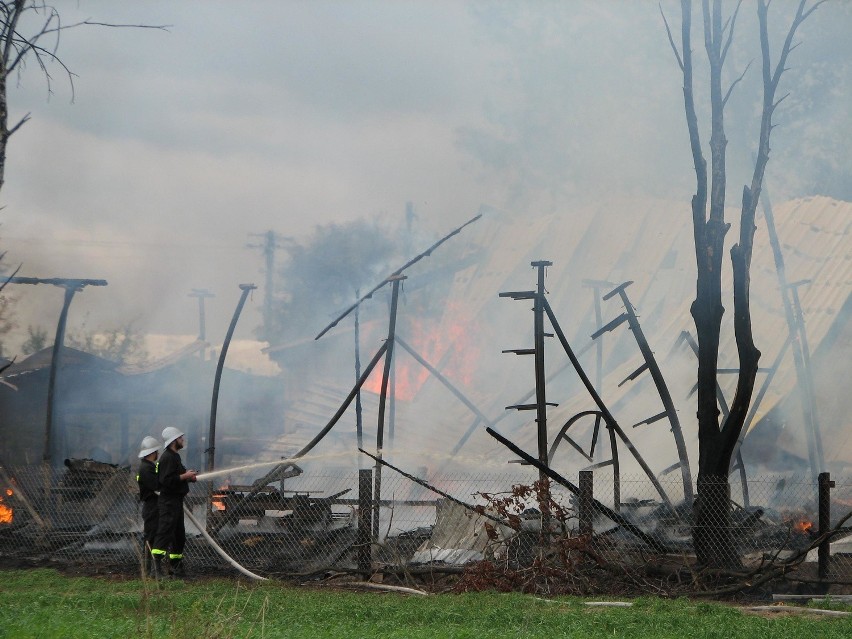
[7, 511]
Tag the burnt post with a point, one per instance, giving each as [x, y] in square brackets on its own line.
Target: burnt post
[824, 552]
[540, 406]
[540, 394]
[365, 508]
[586, 502]
[359, 417]
[540, 391]
[380, 435]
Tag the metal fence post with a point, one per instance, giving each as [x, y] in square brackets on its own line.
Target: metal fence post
[824, 552]
[586, 513]
[365, 518]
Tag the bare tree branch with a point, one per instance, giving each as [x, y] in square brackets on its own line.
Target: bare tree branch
[732, 21]
[159, 27]
[812, 9]
[735, 83]
[671, 39]
[17, 47]
[25, 44]
[22, 121]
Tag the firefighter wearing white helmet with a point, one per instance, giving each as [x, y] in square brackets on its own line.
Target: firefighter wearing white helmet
[173, 481]
[147, 480]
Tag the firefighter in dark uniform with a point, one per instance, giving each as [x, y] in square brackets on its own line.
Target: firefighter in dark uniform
[148, 489]
[173, 480]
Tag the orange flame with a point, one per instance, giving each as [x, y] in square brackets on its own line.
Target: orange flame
[7, 513]
[445, 343]
[218, 501]
[803, 527]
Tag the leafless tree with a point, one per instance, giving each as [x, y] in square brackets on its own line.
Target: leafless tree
[19, 44]
[40, 44]
[712, 534]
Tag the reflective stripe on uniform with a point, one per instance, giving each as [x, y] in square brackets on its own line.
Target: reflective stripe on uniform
[157, 551]
[175, 556]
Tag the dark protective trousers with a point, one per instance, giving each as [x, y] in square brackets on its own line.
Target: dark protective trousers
[171, 535]
[150, 519]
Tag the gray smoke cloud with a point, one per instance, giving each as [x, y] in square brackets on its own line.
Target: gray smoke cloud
[280, 116]
[288, 115]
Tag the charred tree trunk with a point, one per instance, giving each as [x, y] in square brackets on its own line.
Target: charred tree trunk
[712, 531]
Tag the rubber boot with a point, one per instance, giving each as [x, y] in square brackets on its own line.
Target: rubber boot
[176, 568]
[159, 569]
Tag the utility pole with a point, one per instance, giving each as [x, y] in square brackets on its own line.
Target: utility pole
[269, 245]
[201, 294]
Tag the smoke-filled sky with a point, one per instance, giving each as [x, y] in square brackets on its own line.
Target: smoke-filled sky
[281, 115]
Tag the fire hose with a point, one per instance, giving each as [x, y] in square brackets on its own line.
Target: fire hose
[218, 548]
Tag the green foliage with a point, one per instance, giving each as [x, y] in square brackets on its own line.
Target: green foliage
[44, 604]
[323, 273]
[125, 344]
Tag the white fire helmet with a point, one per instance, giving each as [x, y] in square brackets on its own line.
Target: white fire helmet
[170, 433]
[149, 445]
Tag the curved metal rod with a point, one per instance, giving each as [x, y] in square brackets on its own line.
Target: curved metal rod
[564, 430]
[608, 417]
[613, 444]
[662, 389]
[211, 434]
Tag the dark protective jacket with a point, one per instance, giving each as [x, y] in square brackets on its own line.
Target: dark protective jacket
[171, 534]
[147, 479]
[169, 471]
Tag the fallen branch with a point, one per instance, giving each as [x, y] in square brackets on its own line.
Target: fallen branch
[372, 586]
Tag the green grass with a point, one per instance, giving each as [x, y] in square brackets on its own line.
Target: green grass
[45, 604]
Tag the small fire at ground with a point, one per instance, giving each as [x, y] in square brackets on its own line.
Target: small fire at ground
[7, 513]
[218, 502]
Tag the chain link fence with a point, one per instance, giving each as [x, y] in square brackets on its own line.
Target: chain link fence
[88, 513]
